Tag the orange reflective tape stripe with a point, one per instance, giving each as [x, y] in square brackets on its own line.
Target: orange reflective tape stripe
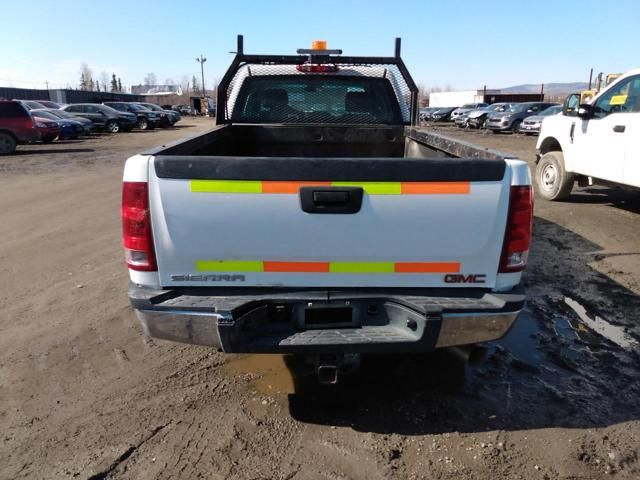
[430, 188]
[427, 267]
[307, 267]
[289, 187]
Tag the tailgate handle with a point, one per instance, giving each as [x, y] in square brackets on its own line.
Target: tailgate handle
[331, 199]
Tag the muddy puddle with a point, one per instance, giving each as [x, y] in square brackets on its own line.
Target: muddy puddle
[270, 372]
[602, 327]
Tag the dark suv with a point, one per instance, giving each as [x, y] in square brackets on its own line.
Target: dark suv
[16, 126]
[168, 118]
[103, 116]
[147, 120]
[511, 119]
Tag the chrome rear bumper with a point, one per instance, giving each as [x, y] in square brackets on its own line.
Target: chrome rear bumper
[345, 321]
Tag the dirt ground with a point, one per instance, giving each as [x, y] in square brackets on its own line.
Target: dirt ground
[84, 395]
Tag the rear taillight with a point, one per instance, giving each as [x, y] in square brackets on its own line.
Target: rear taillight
[517, 236]
[136, 227]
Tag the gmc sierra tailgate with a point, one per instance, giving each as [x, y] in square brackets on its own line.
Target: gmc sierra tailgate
[328, 222]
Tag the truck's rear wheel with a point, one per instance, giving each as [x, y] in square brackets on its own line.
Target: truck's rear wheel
[552, 180]
[7, 144]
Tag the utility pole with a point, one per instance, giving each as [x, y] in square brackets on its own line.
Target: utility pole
[201, 61]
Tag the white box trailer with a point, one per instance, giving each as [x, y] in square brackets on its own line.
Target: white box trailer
[457, 99]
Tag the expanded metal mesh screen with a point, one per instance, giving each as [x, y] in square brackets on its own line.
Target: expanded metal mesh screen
[360, 94]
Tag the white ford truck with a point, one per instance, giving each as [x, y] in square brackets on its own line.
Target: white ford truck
[597, 142]
[317, 219]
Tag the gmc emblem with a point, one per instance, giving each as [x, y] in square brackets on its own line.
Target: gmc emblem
[459, 278]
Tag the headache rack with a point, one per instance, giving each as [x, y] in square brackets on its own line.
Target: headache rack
[393, 68]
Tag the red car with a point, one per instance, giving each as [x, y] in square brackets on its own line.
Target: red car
[49, 130]
[16, 126]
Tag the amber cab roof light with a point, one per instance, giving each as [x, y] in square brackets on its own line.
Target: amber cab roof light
[319, 47]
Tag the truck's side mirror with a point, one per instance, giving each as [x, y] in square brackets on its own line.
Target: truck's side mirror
[571, 104]
[585, 111]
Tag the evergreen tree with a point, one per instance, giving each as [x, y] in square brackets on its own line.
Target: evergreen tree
[97, 86]
[114, 83]
[119, 85]
[83, 82]
[195, 84]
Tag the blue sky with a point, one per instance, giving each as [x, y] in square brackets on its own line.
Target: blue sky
[465, 44]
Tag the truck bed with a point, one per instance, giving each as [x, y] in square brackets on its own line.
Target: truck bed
[324, 141]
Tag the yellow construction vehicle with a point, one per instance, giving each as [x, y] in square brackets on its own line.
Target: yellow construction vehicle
[587, 95]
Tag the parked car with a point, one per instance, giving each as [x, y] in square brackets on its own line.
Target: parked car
[49, 104]
[531, 125]
[147, 120]
[511, 119]
[477, 118]
[103, 117]
[31, 104]
[462, 120]
[49, 129]
[211, 108]
[168, 118]
[184, 109]
[426, 112]
[16, 126]
[68, 128]
[87, 124]
[466, 108]
[442, 114]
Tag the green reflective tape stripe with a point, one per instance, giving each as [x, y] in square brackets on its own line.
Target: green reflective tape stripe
[361, 267]
[229, 266]
[226, 186]
[374, 188]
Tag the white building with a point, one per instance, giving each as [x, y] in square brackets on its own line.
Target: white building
[457, 99]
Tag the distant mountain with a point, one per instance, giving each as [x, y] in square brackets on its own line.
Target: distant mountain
[549, 88]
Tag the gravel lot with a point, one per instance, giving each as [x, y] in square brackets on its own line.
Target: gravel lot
[84, 395]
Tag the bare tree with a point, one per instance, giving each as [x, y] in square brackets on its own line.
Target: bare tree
[104, 80]
[86, 77]
[169, 81]
[184, 83]
[119, 85]
[150, 79]
[114, 83]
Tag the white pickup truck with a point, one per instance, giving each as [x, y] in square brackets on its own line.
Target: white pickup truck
[598, 142]
[317, 219]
